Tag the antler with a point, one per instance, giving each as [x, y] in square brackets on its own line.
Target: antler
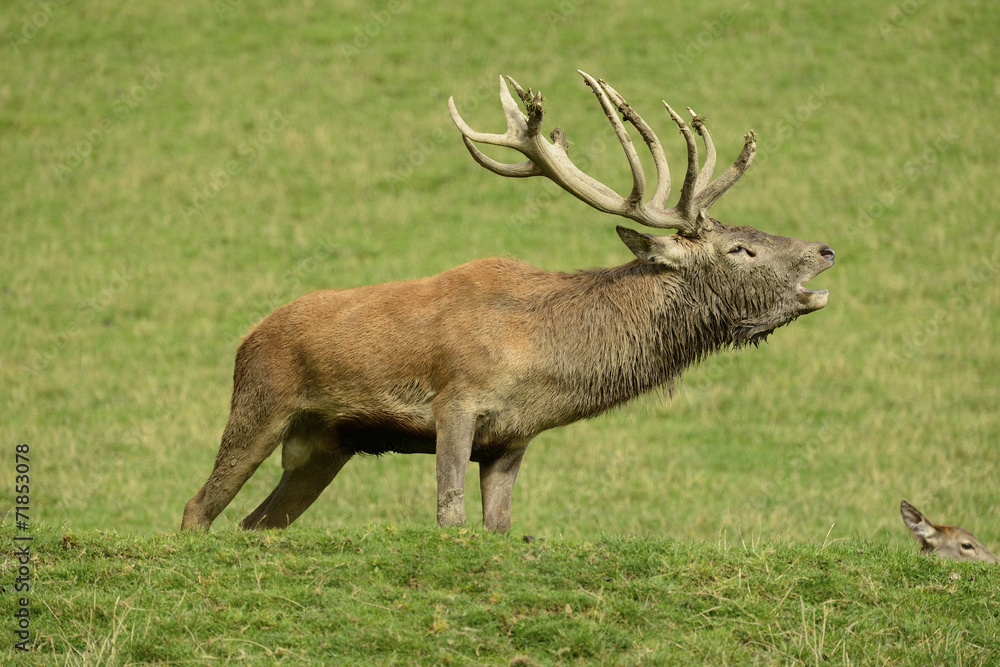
[551, 159]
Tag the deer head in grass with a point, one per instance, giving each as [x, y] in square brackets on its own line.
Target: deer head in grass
[950, 542]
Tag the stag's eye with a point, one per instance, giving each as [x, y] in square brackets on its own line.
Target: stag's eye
[741, 250]
[967, 546]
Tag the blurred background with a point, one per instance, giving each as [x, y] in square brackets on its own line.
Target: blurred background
[171, 172]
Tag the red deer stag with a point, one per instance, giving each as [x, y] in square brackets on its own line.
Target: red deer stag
[945, 541]
[471, 364]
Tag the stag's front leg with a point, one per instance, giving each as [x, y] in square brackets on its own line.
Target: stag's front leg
[496, 479]
[455, 430]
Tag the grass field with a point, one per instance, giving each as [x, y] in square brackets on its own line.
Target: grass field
[172, 173]
[383, 595]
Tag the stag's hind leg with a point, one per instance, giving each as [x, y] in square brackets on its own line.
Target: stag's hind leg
[247, 441]
[311, 457]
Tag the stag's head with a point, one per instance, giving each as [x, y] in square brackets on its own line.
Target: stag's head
[754, 279]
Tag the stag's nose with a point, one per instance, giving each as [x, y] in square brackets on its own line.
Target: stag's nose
[827, 253]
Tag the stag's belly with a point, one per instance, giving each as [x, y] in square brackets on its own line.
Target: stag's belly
[377, 440]
[390, 423]
[512, 410]
[400, 428]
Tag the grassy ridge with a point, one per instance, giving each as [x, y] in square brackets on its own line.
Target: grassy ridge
[383, 595]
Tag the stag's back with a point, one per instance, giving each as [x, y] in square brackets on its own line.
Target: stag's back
[529, 349]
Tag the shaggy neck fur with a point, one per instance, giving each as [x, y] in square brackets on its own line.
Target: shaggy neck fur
[624, 331]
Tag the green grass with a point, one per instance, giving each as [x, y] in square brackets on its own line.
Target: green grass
[384, 595]
[172, 173]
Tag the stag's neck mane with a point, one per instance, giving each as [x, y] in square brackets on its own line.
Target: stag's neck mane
[620, 332]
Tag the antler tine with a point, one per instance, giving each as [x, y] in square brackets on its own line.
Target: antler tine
[718, 187]
[545, 158]
[517, 122]
[519, 170]
[601, 90]
[517, 129]
[685, 206]
[658, 202]
[707, 169]
[532, 102]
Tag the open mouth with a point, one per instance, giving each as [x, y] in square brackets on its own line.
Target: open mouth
[814, 299]
[804, 290]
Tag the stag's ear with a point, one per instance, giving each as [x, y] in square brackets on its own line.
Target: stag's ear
[654, 249]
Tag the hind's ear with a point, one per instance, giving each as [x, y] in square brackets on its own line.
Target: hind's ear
[919, 525]
[654, 249]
